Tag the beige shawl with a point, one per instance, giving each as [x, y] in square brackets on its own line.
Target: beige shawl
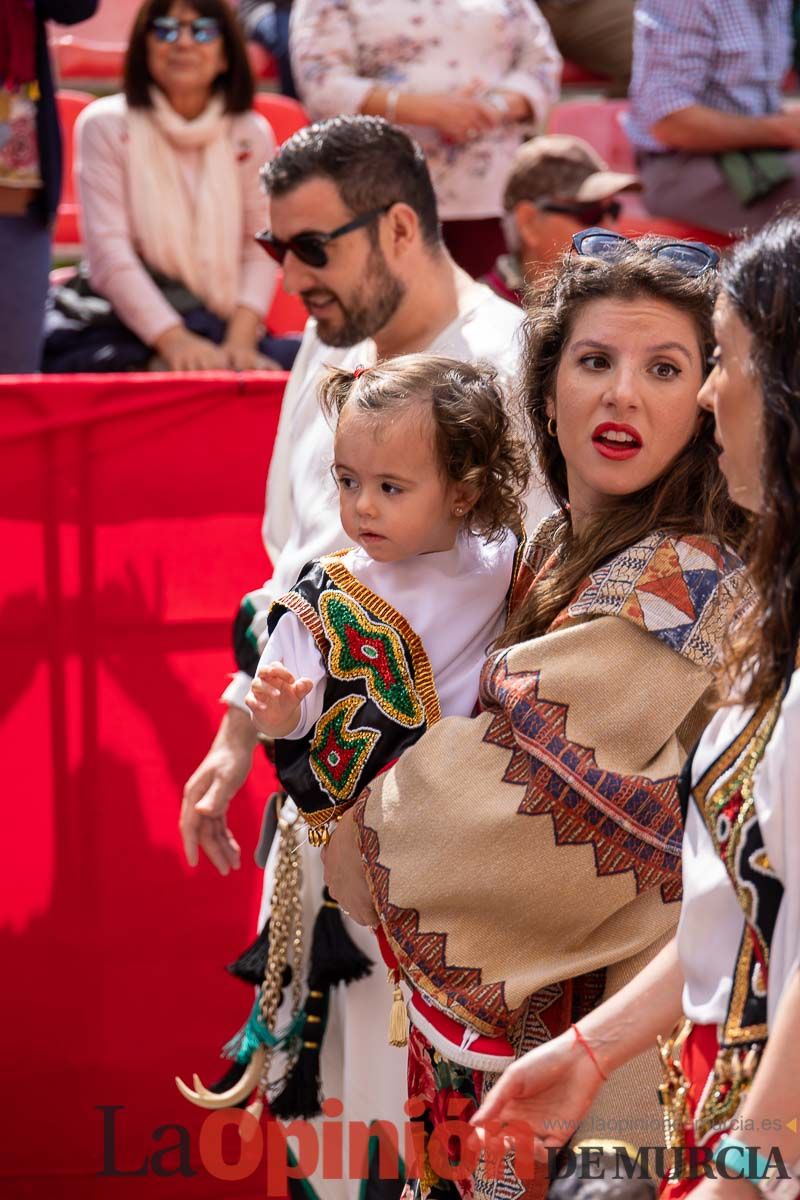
[513, 854]
[192, 237]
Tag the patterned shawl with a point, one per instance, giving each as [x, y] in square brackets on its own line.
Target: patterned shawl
[527, 861]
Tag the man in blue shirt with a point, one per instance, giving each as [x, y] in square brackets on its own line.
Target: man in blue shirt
[707, 77]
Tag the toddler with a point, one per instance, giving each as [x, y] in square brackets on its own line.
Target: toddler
[375, 643]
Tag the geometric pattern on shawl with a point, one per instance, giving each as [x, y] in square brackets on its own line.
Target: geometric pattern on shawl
[631, 822]
[488, 999]
[630, 833]
[669, 587]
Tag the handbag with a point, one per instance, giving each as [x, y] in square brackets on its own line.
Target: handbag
[77, 300]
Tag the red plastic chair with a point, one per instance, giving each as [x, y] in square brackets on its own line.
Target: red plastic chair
[287, 314]
[66, 234]
[285, 115]
[87, 62]
[95, 49]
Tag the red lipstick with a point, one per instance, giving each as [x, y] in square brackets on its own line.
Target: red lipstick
[616, 447]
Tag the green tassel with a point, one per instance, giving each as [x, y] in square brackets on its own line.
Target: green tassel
[255, 1033]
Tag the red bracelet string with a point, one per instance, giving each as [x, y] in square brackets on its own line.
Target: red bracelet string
[580, 1038]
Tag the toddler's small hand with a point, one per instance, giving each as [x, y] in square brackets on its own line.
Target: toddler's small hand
[274, 700]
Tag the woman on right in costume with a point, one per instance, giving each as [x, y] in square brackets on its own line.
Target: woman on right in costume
[730, 975]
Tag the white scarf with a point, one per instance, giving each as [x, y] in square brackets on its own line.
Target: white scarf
[196, 239]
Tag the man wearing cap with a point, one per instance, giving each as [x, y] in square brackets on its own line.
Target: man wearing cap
[558, 185]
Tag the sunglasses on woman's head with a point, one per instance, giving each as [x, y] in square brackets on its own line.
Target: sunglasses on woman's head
[692, 258]
[202, 29]
[309, 246]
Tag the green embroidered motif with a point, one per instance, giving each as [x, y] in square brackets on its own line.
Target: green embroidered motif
[338, 753]
[361, 648]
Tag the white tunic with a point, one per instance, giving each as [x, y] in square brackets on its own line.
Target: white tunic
[711, 922]
[454, 601]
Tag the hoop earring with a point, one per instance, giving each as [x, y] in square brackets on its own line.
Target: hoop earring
[552, 428]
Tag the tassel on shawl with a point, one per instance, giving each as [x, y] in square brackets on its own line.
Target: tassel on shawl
[398, 1017]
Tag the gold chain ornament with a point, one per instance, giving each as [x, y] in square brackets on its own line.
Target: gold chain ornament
[285, 940]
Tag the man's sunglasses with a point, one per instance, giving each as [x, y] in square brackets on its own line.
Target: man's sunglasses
[590, 213]
[692, 258]
[310, 247]
[202, 29]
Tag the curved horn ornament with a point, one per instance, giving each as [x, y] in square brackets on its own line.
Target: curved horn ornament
[203, 1098]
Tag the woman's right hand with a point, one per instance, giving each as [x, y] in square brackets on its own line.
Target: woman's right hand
[183, 350]
[548, 1091]
[460, 117]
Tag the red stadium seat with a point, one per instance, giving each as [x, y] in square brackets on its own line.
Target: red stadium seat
[262, 63]
[574, 76]
[285, 115]
[95, 49]
[88, 62]
[66, 234]
[600, 123]
[287, 313]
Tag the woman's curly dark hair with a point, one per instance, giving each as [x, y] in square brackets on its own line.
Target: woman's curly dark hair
[474, 440]
[761, 280]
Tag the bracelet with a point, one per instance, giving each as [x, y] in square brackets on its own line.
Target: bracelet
[580, 1038]
[501, 103]
[392, 97]
[750, 1165]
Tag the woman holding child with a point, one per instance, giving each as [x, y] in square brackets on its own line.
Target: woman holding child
[557, 807]
[730, 977]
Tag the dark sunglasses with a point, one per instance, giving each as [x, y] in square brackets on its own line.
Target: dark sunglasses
[310, 247]
[202, 29]
[591, 213]
[692, 258]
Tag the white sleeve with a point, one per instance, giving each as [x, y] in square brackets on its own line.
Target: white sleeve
[777, 795]
[536, 72]
[278, 510]
[291, 644]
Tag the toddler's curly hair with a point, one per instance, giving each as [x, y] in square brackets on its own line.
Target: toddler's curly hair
[474, 437]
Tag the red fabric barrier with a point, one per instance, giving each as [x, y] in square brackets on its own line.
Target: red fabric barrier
[130, 510]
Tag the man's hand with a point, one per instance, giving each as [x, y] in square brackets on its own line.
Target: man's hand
[344, 873]
[274, 700]
[211, 788]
